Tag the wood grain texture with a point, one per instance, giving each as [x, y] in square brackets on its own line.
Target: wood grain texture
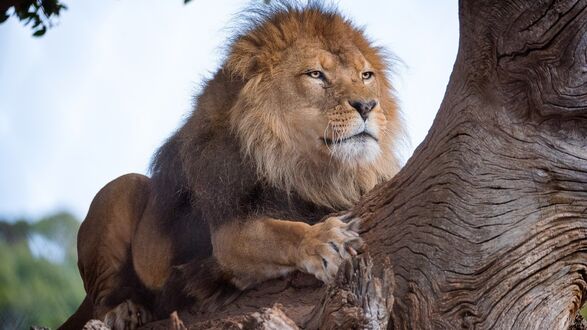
[359, 299]
[486, 225]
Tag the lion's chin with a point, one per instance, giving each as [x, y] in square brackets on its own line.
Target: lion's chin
[356, 151]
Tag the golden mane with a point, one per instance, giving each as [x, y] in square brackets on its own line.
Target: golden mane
[266, 137]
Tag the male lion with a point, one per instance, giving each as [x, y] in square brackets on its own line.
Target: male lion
[299, 122]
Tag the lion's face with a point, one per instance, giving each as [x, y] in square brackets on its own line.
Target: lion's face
[316, 112]
[332, 103]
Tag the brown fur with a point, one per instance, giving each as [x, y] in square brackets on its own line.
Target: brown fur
[265, 118]
[237, 192]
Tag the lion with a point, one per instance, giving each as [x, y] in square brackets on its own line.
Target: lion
[298, 123]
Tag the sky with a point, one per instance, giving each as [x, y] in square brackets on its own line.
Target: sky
[99, 93]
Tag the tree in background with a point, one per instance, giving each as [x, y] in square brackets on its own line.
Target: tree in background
[39, 280]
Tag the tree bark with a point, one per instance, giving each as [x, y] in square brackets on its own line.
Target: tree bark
[485, 226]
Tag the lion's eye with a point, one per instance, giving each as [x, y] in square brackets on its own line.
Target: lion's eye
[316, 74]
[367, 75]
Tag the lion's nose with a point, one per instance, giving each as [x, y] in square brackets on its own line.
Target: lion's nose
[363, 107]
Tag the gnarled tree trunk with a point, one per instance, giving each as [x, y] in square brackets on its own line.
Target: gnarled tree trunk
[486, 225]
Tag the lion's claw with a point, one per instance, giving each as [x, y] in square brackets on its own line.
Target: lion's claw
[327, 244]
[127, 315]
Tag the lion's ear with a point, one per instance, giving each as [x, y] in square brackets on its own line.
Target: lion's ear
[244, 58]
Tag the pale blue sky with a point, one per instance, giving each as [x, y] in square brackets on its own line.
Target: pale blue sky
[95, 97]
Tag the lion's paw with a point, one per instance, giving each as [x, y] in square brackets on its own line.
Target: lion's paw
[127, 315]
[327, 244]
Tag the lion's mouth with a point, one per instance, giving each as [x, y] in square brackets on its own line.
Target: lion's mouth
[363, 136]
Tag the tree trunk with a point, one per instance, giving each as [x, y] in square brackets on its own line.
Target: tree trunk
[485, 226]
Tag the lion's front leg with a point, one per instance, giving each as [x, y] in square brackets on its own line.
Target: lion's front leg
[264, 248]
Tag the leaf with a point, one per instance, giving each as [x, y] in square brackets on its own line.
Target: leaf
[3, 17]
[38, 14]
[40, 32]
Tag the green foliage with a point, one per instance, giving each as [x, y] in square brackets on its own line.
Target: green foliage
[37, 13]
[33, 290]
